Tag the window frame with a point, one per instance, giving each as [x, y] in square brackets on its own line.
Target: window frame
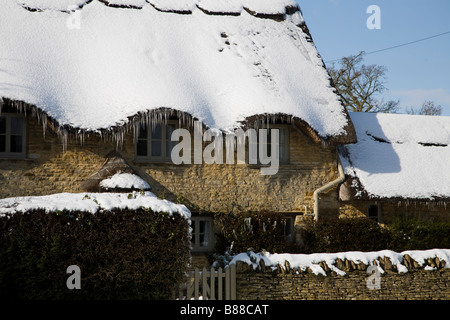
[285, 158]
[195, 240]
[8, 154]
[289, 228]
[376, 218]
[149, 158]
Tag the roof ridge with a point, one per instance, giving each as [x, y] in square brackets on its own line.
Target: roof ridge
[278, 14]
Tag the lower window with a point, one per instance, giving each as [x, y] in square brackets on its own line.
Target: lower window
[202, 234]
[373, 212]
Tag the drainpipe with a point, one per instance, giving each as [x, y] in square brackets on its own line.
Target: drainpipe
[326, 188]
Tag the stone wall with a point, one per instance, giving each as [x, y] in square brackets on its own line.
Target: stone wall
[281, 284]
[47, 169]
[217, 188]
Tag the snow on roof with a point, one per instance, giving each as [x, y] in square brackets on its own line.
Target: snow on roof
[92, 202]
[313, 261]
[399, 156]
[124, 181]
[219, 69]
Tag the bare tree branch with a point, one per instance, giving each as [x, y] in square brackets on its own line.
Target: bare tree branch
[428, 108]
[358, 84]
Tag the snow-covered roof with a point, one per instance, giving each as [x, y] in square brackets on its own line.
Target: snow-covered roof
[91, 66]
[398, 156]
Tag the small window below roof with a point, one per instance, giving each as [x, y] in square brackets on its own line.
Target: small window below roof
[283, 142]
[373, 212]
[12, 136]
[153, 142]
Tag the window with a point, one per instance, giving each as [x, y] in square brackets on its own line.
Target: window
[202, 234]
[283, 142]
[289, 229]
[12, 136]
[373, 212]
[154, 141]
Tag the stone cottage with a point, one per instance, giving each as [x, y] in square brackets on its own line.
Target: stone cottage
[92, 89]
[398, 167]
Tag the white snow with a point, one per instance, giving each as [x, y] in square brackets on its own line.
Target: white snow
[312, 261]
[124, 181]
[218, 68]
[400, 155]
[225, 6]
[92, 202]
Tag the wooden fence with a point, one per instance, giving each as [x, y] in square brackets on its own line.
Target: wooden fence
[210, 284]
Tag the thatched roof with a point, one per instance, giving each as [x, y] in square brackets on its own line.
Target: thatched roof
[397, 157]
[218, 61]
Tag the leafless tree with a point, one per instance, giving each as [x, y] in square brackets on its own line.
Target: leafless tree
[359, 84]
[428, 108]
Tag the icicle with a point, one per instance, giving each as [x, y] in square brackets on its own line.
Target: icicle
[44, 125]
[62, 134]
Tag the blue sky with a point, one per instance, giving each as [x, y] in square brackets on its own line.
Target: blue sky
[416, 72]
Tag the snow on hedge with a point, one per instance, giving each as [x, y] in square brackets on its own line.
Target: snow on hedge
[312, 262]
[125, 181]
[120, 62]
[400, 155]
[91, 202]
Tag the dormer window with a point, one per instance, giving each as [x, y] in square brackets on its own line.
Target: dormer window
[12, 136]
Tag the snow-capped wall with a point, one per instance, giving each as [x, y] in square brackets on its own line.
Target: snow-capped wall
[320, 263]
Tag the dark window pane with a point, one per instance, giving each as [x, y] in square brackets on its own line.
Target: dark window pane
[204, 234]
[204, 226]
[169, 143]
[282, 135]
[2, 125]
[373, 212]
[141, 148]
[16, 126]
[142, 132]
[156, 132]
[16, 143]
[169, 129]
[204, 240]
[169, 147]
[156, 149]
[193, 233]
[283, 153]
[2, 143]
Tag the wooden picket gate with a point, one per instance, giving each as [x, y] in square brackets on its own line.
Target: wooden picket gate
[210, 284]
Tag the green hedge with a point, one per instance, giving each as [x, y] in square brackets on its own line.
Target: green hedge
[350, 234]
[265, 231]
[262, 230]
[122, 254]
[417, 234]
[364, 234]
